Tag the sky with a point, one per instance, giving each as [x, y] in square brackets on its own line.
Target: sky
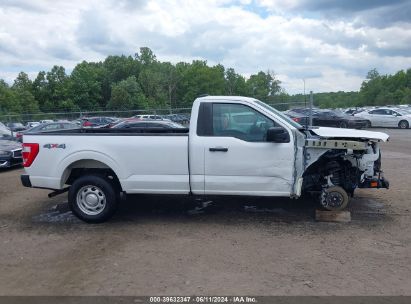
[329, 45]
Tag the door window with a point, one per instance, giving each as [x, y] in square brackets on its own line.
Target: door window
[240, 121]
[51, 127]
[381, 112]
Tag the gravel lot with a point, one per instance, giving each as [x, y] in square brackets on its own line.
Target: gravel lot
[171, 246]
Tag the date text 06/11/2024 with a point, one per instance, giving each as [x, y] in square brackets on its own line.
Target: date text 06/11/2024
[203, 299]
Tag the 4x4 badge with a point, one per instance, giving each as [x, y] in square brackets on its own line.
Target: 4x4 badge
[54, 146]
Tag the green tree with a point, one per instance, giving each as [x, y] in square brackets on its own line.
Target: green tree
[235, 84]
[26, 101]
[23, 82]
[127, 95]
[196, 79]
[263, 86]
[8, 103]
[117, 68]
[85, 86]
[40, 89]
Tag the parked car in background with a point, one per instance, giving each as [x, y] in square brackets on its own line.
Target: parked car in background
[352, 111]
[301, 118]
[10, 153]
[32, 124]
[149, 116]
[16, 126]
[4, 131]
[327, 118]
[51, 126]
[304, 111]
[386, 117]
[138, 123]
[178, 118]
[46, 121]
[97, 122]
[330, 118]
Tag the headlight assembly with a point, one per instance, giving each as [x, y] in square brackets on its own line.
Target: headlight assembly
[5, 153]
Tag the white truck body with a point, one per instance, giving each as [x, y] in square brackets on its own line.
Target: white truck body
[200, 162]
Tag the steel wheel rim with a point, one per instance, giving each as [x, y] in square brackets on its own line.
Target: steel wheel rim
[91, 200]
[334, 199]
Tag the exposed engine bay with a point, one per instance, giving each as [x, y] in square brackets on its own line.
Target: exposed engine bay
[335, 167]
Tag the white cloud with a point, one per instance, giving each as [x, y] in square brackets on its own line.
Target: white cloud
[331, 54]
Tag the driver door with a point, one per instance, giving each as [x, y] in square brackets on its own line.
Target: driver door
[239, 161]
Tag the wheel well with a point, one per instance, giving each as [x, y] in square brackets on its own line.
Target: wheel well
[89, 167]
[331, 164]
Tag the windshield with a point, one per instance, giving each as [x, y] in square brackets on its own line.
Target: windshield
[403, 111]
[278, 113]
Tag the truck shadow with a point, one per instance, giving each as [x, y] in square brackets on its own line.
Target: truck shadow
[280, 209]
[139, 208]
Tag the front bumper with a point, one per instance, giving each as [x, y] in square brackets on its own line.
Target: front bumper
[375, 182]
[359, 124]
[7, 162]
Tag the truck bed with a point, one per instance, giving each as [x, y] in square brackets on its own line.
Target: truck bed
[142, 163]
[121, 132]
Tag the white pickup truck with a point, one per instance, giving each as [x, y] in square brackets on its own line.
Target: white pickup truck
[234, 146]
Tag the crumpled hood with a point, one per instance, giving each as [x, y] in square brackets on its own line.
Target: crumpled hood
[349, 133]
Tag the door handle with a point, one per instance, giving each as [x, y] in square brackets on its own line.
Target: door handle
[218, 149]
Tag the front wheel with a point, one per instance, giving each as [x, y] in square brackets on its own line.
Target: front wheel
[334, 198]
[92, 198]
[403, 124]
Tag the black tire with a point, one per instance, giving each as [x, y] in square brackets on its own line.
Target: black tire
[403, 124]
[368, 124]
[343, 124]
[334, 198]
[93, 198]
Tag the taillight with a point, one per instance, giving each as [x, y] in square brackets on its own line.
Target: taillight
[87, 124]
[296, 119]
[30, 152]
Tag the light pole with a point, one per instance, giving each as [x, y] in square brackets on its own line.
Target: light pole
[305, 99]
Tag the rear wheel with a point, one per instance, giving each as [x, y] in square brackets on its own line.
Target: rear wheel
[334, 198]
[343, 124]
[93, 198]
[403, 124]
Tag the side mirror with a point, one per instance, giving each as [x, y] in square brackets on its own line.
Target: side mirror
[278, 135]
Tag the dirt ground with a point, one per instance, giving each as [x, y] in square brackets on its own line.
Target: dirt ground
[172, 246]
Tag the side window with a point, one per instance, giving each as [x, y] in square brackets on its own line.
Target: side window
[51, 127]
[137, 125]
[378, 112]
[155, 125]
[240, 121]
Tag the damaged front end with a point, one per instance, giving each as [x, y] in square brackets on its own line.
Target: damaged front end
[337, 164]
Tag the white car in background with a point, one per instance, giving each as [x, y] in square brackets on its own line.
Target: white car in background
[387, 117]
[32, 124]
[4, 131]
